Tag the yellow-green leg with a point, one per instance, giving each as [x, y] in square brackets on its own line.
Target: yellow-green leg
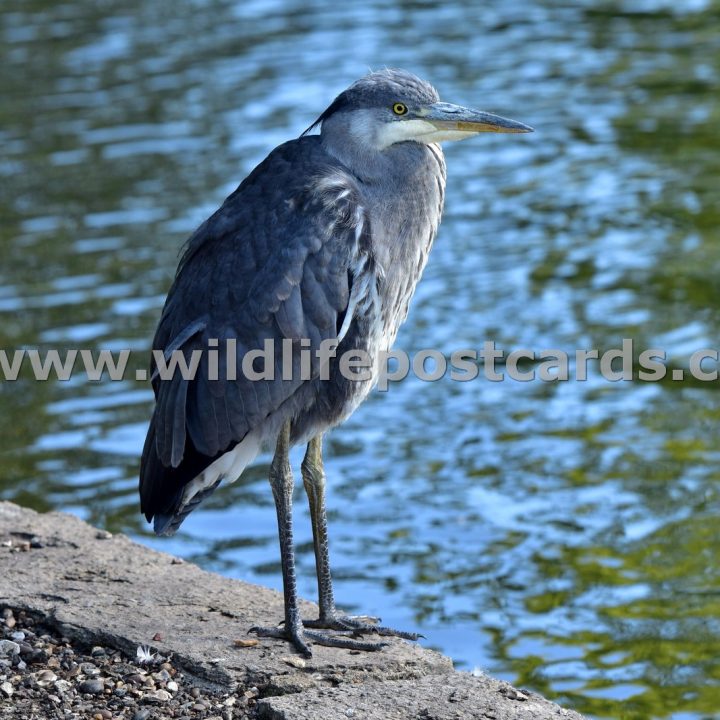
[313, 473]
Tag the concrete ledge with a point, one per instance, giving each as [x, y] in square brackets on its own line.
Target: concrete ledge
[98, 589]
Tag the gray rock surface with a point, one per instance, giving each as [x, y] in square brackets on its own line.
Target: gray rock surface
[454, 696]
[99, 589]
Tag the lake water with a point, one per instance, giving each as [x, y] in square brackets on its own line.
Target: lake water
[564, 536]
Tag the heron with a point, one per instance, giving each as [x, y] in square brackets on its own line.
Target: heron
[324, 241]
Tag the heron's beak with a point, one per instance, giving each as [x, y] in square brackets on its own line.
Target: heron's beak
[456, 118]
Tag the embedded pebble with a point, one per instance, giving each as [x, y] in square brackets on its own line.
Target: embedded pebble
[62, 686]
[160, 696]
[9, 647]
[93, 687]
[45, 677]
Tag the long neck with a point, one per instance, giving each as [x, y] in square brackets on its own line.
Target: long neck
[403, 188]
[406, 203]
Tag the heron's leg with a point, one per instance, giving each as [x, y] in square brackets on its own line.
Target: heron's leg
[313, 473]
[281, 482]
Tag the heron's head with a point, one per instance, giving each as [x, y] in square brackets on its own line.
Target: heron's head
[393, 106]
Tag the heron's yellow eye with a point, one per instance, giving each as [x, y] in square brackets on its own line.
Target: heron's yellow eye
[399, 109]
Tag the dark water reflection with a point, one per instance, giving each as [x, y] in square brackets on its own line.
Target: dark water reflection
[562, 536]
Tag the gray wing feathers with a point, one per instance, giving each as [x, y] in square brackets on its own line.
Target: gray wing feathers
[170, 432]
[179, 340]
[290, 315]
[172, 397]
[272, 263]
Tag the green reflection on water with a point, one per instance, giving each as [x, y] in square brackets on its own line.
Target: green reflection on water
[665, 642]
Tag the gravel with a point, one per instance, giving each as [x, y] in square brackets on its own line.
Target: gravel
[45, 675]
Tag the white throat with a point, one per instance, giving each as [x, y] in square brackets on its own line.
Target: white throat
[417, 130]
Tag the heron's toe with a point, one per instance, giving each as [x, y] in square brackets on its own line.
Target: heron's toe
[295, 636]
[358, 625]
[299, 637]
[343, 641]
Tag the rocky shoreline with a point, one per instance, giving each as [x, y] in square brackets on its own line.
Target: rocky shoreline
[47, 675]
[96, 626]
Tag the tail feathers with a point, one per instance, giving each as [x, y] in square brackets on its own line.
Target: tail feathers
[169, 494]
[163, 495]
[167, 523]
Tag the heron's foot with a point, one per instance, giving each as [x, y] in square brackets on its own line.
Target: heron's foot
[301, 638]
[296, 636]
[357, 625]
